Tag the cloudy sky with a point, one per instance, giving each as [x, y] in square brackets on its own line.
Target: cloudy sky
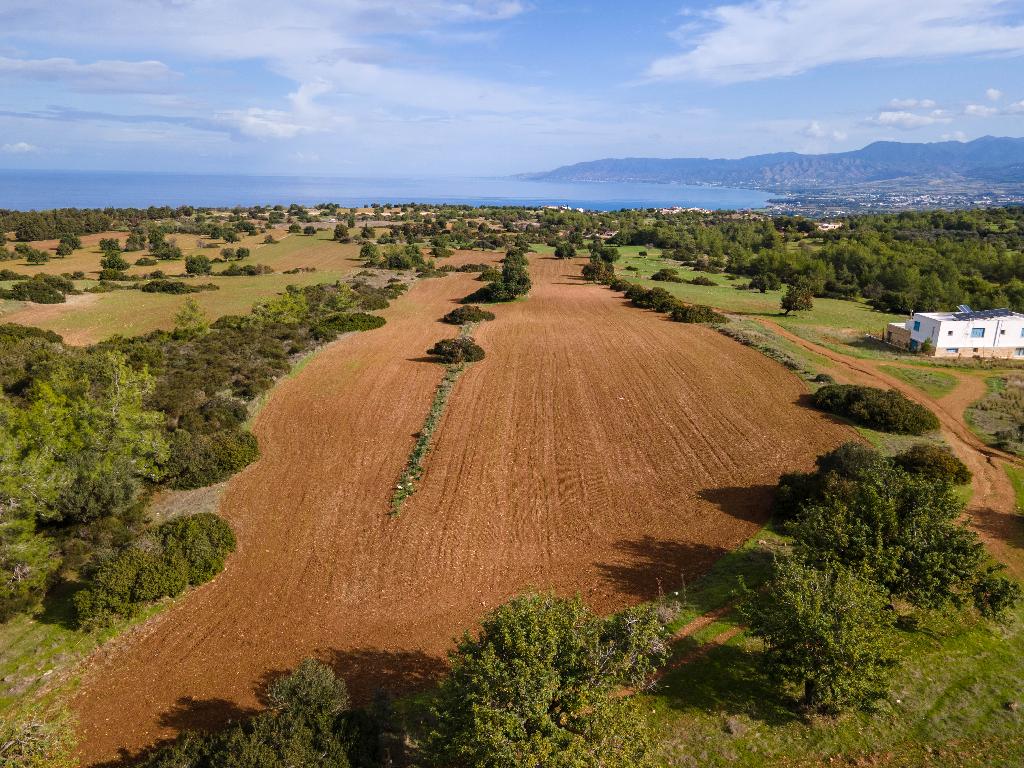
[489, 87]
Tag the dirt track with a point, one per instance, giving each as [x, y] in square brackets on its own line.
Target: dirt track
[597, 448]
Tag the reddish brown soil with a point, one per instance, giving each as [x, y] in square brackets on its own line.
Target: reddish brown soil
[597, 448]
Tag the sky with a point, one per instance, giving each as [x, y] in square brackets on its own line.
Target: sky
[492, 87]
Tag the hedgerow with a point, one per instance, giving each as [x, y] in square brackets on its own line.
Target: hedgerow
[696, 313]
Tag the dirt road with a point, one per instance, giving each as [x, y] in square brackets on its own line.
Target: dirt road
[598, 448]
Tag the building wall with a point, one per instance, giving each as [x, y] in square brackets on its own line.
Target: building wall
[1002, 336]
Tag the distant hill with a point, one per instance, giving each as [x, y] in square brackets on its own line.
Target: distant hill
[988, 159]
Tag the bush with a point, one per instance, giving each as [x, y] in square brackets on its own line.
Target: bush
[667, 275]
[934, 462]
[884, 410]
[657, 299]
[162, 285]
[453, 351]
[598, 271]
[247, 270]
[701, 280]
[204, 459]
[467, 314]
[37, 289]
[696, 313]
[338, 323]
[145, 261]
[201, 541]
[185, 551]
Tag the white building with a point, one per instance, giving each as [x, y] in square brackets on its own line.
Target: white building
[964, 333]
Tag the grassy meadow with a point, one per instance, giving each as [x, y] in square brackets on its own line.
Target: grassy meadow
[94, 316]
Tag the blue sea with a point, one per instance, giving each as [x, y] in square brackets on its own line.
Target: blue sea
[38, 190]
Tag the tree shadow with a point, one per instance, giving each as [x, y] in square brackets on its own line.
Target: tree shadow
[1007, 527]
[367, 671]
[750, 503]
[651, 567]
[58, 605]
[187, 714]
[425, 359]
[727, 680]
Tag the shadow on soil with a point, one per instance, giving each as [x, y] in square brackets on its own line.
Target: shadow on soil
[367, 672]
[652, 567]
[751, 503]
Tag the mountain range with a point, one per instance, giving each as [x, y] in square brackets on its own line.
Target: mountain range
[989, 159]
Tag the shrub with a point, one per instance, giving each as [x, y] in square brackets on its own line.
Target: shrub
[204, 459]
[181, 552]
[38, 289]
[696, 313]
[145, 261]
[657, 299]
[162, 285]
[114, 260]
[934, 462]
[338, 323]
[598, 271]
[460, 350]
[467, 314]
[701, 280]
[201, 541]
[247, 270]
[885, 410]
[667, 275]
[565, 250]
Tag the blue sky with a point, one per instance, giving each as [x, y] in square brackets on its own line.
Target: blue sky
[490, 87]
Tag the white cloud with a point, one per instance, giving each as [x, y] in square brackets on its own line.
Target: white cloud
[762, 39]
[815, 130]
[109, 76]
[907, 121]
[1016, 108]
[19, 148]
[954, 136]
[980, 110]
[912, 104]
[993, 94]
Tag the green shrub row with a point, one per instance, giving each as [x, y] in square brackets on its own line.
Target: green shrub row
[198, 460]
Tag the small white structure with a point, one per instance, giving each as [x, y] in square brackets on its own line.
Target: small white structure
[964, 333]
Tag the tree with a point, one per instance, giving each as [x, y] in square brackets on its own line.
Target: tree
[565, 250]
[826, 630]
[190, 321]
[340, 232]
[108, 244]
[113, 260]
[73, 242]
[370, 254]
[764, 282]
[903, 531]
[309, 230]
[198, 264]
[798, 298]
[536, 688]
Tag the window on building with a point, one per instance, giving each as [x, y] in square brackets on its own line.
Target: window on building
[977, 333]
[952, 350]
[950, 333]
[1002, 331]
[1019, 352]
[917, 325]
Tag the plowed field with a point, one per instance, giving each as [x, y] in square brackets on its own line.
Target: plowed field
[598, 448]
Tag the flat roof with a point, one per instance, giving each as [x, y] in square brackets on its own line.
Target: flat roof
[981, 314]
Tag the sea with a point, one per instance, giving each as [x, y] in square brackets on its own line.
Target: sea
[40, 190]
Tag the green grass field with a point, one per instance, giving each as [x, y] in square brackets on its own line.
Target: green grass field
[931, 382]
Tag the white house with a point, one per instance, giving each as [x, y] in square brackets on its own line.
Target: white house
[964, 333]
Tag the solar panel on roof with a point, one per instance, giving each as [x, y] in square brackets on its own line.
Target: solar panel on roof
[984, 314]
[963, 308]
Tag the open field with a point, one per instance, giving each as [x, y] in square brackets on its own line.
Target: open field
[90, 317]
[598, 448]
